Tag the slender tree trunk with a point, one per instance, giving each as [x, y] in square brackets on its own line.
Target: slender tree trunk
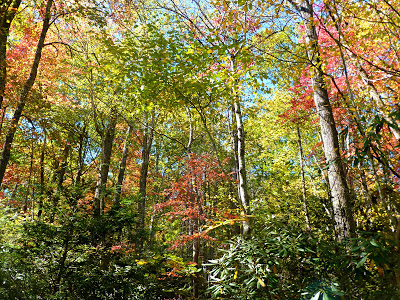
[61, 263]
[303, 181]
[8, 10]
[158, 188]
[195, 259]
[122, 167]
[241, 165]
[146, 149]
[42, 187]
[25, 208]
[5, 156]
[234, 145]
[81, 153]
[342, 206]
[60, 175]
[107, 141]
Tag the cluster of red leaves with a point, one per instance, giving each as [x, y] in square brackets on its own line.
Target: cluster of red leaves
[187, 198]
[124, 248]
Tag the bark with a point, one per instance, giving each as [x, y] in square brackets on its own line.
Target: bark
[303, 181]
[191, 132]
[42, 187]
[195, 259]
[146, 148]
[5, 157]
[2, 119]
[64, 165]
[61, 264]
[157, 188]
[342, 209]
[8, 10]
[107, 141]
[77, 180]
[25, 207]
[234, 145]
[122, 167]
[242, 177]
[60, 175]
[241, 165]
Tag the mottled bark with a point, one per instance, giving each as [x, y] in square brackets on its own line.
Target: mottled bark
[341, 199]
[8, 10]
[240, 155]
[5, 157]
[107, 141]
[122, 167]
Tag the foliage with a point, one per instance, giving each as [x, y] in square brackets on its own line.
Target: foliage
[219, 99]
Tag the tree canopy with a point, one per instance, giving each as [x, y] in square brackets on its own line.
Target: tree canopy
[199, 149]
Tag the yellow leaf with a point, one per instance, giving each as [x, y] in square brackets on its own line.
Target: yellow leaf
[141, 262]
[261, 282]
[371, 264]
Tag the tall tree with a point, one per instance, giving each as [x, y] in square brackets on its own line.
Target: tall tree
[342, 203]
[23, 98]
[146, 143]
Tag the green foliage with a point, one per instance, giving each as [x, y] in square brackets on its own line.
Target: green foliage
[71, 260]
[290, 264]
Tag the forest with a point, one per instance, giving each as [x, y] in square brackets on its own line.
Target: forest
[200, 149]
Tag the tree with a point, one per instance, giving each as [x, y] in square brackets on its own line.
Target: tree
[23, 98]
[342, 202]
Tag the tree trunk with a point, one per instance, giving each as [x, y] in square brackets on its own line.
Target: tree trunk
[240, 155]
[81, 154]
[30, 184]
[60, 175]
[107, 141]
[341, 198]
[42, 187]
[195, 259]
[8, 10]
[122, 167]
[303, 181]
[5, 157]
[146, 148]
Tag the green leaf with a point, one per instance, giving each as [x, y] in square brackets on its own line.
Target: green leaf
[362, 261]
[373, 243]
[316, 296]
